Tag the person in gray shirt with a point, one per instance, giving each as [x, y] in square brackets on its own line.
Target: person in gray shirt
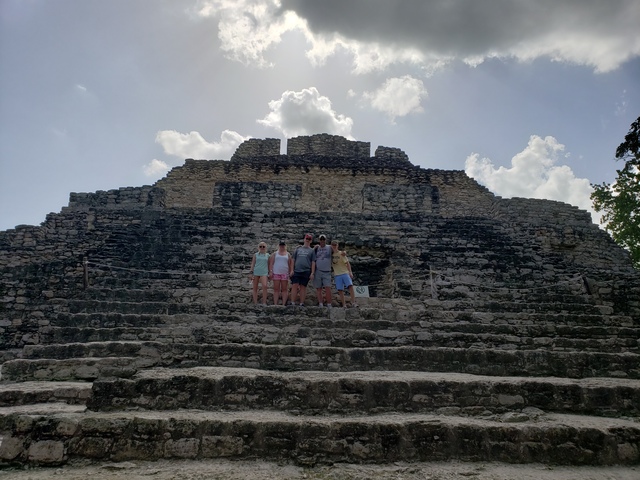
[304, 264]
[322, 277]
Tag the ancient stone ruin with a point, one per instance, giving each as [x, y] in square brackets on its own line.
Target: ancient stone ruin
[496, 329]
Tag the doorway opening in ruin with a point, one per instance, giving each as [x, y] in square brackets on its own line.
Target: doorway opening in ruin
[370, 266]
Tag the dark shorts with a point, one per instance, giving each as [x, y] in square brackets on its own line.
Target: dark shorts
[300, 278]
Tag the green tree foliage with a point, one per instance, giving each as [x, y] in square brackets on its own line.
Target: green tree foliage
[620, 201]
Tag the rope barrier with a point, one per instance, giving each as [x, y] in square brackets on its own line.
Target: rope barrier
[433, 275]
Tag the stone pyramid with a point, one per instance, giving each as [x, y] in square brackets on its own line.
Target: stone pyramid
[502, 330]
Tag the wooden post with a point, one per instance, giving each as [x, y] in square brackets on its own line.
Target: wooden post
[434, 292]
[85, 271]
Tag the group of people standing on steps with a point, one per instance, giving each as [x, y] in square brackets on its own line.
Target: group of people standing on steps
[305, 264]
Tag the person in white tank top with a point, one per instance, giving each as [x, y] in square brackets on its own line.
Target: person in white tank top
[280, 264]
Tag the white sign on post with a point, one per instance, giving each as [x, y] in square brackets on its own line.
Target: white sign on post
[361, 291]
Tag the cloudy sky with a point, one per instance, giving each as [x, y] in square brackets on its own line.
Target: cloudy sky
[530, 97]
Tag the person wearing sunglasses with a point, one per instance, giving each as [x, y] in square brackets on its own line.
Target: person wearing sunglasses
[322, 277]
[304, 264]
[260, 272]
[280, 264]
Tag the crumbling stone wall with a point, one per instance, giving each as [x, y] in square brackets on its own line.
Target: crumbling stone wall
[327, 184]
[257, 195]
[411, 199]
[329, 146]
[256, 147]
[121, 198]
[397, 221]
[391, 153]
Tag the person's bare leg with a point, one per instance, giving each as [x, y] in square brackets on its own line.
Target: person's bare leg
[327, 296]
[276, 291]
[319, 295]
[263, 280]
[353, 296]
[284, 287]
[303, 294]
[294, 292]
[342, 301]
[255, 290]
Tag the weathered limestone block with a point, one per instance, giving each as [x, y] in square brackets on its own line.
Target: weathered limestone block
[91, 447]
[11, 448]
[182, 448]
[46, 452]
[214, 446]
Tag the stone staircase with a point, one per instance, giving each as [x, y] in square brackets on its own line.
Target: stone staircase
[137, 373]
[500, 330]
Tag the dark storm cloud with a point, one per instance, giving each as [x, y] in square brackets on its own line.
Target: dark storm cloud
[466, 28]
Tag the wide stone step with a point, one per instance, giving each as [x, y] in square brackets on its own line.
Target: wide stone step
[538, 318]
[108, 320]
[211, 388]
[523, 307]
[372, 316]
[91, 349]
[61, 335]
[449, 289]
[223, 315]
[363, 334]
[91, 306]
[295, 358]
[551, 295]
[556, 439]
[194, 308]
[72, 369]
[241, 469]
[173, 307]
[536, 329]
[126, 281]
[370, 309]
[127, 294]
[25, 393]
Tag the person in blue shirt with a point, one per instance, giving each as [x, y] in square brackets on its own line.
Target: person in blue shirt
[260, 272]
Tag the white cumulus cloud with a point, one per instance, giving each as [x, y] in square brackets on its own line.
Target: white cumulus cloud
[192, 145]
[534, 173]
[247, 29]
[398, 97]
[305, 113]
[156, 168]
